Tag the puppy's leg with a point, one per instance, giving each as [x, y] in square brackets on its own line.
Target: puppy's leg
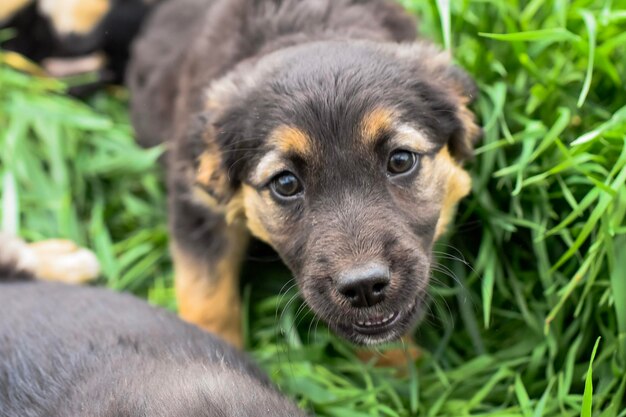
[207, 254]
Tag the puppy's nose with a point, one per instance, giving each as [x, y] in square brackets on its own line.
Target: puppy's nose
[365, 285]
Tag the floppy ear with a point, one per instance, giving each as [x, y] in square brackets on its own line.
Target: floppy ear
[463, 87]
[222, 139]
[453, 88]
[213, 184]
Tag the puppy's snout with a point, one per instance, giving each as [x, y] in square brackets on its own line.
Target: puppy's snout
[364, 286]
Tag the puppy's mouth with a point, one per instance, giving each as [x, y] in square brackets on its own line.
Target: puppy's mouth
[379, 328]
[377, 325]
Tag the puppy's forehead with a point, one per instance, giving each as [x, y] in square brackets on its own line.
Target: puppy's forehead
[370, 129]
[379, 126]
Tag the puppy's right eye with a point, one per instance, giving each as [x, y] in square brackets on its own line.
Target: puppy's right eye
[401, 162]
[286, 185]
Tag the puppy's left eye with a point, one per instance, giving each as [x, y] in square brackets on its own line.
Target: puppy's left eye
[286, 185]
[401, 162]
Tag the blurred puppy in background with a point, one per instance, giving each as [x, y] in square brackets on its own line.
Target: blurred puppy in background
[68, 351]
[322, 127]
[70, 37]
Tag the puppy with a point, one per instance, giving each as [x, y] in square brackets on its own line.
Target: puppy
[68, 351]
[322, 127]
[74, 36]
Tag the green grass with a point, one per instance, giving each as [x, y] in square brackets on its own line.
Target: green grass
[532, 276]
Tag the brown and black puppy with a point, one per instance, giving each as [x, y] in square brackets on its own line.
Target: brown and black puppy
[75, 36]
[321, 127]
[68, 351]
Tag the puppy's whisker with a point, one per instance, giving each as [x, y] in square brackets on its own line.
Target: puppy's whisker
[233, 166]
[282, 313]
[444, 255]
[460, 257]
[308, 331]
[280, 333]
[317, 322]
[296, 320]
[433, 319]
[281, 295]
[448, 272]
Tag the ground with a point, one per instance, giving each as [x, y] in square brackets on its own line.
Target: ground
[530, 279]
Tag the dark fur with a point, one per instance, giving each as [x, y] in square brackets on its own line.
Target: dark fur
[75, 351]
[320, 66]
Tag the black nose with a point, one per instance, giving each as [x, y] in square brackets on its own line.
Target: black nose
[364, 286]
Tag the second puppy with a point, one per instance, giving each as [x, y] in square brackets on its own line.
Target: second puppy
[69, 351]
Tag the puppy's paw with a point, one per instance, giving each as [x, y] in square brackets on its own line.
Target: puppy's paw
[16, 256]
[63, 261]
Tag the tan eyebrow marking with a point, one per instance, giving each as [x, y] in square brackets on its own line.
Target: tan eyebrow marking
[270, 164]
[382, 120]
[408, 137]
[289, 139]
[376, 122]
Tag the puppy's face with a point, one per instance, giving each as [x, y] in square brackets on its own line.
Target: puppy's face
[345, 157]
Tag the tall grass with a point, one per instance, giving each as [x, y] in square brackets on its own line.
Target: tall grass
[531, 281]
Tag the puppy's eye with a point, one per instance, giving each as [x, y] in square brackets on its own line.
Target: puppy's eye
[285, 184]
[401, 161]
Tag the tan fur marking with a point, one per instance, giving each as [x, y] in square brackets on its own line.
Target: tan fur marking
[200, 195]
[210, 173]
[74, 16]
[374, 123]
[8, 8]
[270, 164]
[208, 294]
[252, 203]
[395, 357]
[407, 137]
[208, 165]
[288, 139]
[235, 209]
[472, 130]
[456, 186]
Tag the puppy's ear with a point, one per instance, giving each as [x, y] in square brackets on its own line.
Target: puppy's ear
[451, 87]
[465, 90]
[223, 140]
[213, 185]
